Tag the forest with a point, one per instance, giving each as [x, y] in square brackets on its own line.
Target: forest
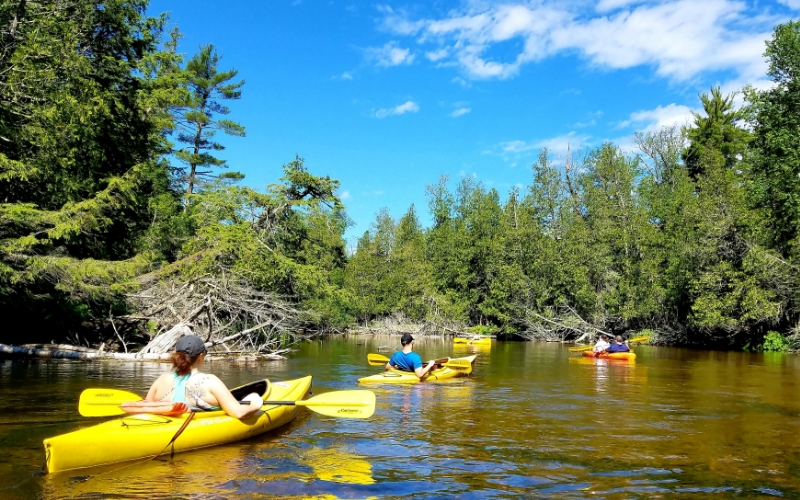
[119, 216]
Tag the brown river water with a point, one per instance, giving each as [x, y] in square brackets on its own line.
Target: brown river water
[532, 421]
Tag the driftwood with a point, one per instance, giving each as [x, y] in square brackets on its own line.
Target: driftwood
[223, 309]
[398, 324]
[55, 353]
[560, 325]
[164, 342]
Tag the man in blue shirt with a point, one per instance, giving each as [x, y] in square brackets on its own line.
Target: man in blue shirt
[409, 361]
[618, 346]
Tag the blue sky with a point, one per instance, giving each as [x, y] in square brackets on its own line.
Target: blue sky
[387, 97]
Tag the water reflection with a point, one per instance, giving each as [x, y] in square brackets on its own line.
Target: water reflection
[530, 422]
[337, 465]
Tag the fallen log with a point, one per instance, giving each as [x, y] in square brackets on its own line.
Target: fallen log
[32, 352]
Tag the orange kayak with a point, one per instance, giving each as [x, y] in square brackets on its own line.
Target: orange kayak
[628, 356]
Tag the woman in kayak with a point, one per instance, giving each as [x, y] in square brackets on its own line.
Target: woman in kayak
[618, 346]
[200, 391]
[602, 343]
[409, 361]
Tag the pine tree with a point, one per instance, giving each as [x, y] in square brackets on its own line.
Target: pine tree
[198, 118]
[776, 127]
[716, 137]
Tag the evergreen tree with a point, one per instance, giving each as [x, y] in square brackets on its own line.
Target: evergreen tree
[716, 137]
[775, 117]
[81, 130]
[198, 118]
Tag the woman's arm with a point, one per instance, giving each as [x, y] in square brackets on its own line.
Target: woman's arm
[228, 403]
[153, 393]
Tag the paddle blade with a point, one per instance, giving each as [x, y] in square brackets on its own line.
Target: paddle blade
[342, 404]
[376, 359]
[641, 338]
[580, 349]
[104, 402]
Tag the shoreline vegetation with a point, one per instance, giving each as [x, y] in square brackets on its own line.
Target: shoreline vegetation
[122, 227]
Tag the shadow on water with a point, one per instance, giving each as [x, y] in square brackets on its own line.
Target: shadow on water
[532, 421]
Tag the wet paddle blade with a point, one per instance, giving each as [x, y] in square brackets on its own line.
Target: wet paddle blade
[104, 402]
[641, 338]
[376, 359]
[342, 404]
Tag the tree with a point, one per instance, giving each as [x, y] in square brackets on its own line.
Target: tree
[197, 118]
[775, 118]
[716, 137]
[81, 132]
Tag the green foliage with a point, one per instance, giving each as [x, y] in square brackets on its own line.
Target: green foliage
[699, 234]
[483, 330]
[774, 342]
[287, 240]
[197, 118]
[775, 118]
[716, 137]
[81, 130]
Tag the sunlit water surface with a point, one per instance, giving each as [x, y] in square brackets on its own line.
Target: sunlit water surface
[531, 421]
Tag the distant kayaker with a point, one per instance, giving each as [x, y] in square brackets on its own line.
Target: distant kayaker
[602, 343]
[618, 345]
[409, 361]
[201, 391]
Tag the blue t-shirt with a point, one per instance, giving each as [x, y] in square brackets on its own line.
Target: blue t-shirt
[406, 362]
[618, 348]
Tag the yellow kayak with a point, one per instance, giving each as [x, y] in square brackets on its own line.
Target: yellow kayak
[627, 356]
[394, 376]
[478, 341]
[144, 435]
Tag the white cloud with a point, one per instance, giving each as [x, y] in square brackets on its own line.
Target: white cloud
[398, 22]
[517, 146]
[662, 116]
[560, 144]
[436, 55]
[346, 76]
[389, 55]
[459, 112]
[406, 107]
[345, 196]
[678, 38]
[792, 4]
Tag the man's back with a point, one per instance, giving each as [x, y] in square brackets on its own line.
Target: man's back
[408, 362]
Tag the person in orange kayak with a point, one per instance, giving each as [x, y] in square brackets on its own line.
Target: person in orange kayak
[618, 346]
[602, 343]
[409, 361]
[200, 391]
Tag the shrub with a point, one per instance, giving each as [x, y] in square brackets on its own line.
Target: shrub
[775, 342]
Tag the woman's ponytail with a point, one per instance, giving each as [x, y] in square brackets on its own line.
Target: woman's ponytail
[182, 362]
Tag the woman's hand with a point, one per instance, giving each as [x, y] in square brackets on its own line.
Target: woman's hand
[254, 399]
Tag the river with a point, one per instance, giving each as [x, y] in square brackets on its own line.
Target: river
[531, 421]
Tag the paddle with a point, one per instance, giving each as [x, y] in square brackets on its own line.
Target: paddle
[456, 364]
[344, 404]
[378, 360]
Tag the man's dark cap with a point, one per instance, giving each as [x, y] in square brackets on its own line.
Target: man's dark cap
[406, 339]
[191, 345]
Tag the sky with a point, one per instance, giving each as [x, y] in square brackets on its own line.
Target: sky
[388, 97]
